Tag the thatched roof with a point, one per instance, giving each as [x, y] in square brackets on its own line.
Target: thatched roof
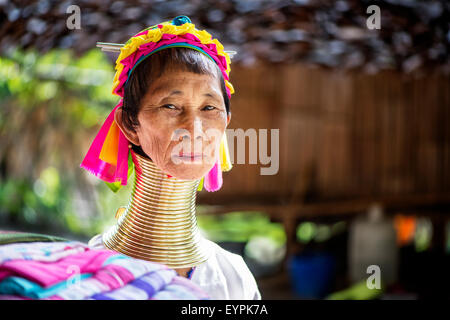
[414, 35]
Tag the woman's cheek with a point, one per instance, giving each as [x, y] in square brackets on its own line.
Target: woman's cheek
[215, 130]
[149, 144]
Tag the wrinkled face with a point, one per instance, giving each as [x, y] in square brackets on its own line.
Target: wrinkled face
[182, 119]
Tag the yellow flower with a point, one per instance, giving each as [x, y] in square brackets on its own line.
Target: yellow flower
[184, 28]
[218, 45]
[154, 35]
[203, 36]
[230, 86]
[115, 84]
[168, 28]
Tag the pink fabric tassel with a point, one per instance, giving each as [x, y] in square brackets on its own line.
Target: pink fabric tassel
[213, 180]
[104, 170]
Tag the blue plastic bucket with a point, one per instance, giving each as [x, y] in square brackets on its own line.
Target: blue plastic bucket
[312, 274]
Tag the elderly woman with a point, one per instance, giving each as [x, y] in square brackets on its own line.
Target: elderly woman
[170, 125]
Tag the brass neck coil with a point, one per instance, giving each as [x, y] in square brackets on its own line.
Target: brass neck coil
[159, 223]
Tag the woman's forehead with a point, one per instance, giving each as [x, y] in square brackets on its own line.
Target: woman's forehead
[180, 81]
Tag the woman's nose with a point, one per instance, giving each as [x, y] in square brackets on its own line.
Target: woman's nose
[191, 130]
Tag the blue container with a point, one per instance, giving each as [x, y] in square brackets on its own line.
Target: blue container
[312, 274]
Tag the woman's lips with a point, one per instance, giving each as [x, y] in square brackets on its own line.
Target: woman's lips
[189, 157]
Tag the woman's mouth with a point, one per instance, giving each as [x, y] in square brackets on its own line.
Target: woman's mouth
[189, 157]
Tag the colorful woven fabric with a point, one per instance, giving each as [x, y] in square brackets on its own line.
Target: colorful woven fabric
[180, 289]
[48, 274]
[26, 288]
[108, 156]
[115, 275]
[73, 271]
[143, 288]
[40, 251]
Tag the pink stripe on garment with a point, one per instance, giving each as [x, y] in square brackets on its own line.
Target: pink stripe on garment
[48, 274]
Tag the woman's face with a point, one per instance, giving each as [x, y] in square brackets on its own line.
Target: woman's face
[182, 119]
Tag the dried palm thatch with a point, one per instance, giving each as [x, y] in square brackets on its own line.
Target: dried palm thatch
[414, 35]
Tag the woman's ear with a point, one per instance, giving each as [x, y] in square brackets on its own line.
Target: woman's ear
[129, 133]
[228, 118]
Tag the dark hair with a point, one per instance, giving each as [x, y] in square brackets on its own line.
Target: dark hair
[152, 68]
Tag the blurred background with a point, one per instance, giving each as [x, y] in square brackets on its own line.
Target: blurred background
[359, 207]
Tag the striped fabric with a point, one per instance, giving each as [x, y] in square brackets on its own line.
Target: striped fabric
[73, 271]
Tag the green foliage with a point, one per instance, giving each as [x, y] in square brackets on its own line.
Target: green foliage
[240, 227]
[358, 291]
[24, 201]
[58, 77]
[308, 232]
[46, 99]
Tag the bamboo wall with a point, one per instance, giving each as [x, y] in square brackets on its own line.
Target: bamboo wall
[342, 135]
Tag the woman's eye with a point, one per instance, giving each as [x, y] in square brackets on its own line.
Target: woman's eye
[169, 106]
[209, 108]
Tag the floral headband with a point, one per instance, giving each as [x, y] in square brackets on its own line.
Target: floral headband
[108, 157]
